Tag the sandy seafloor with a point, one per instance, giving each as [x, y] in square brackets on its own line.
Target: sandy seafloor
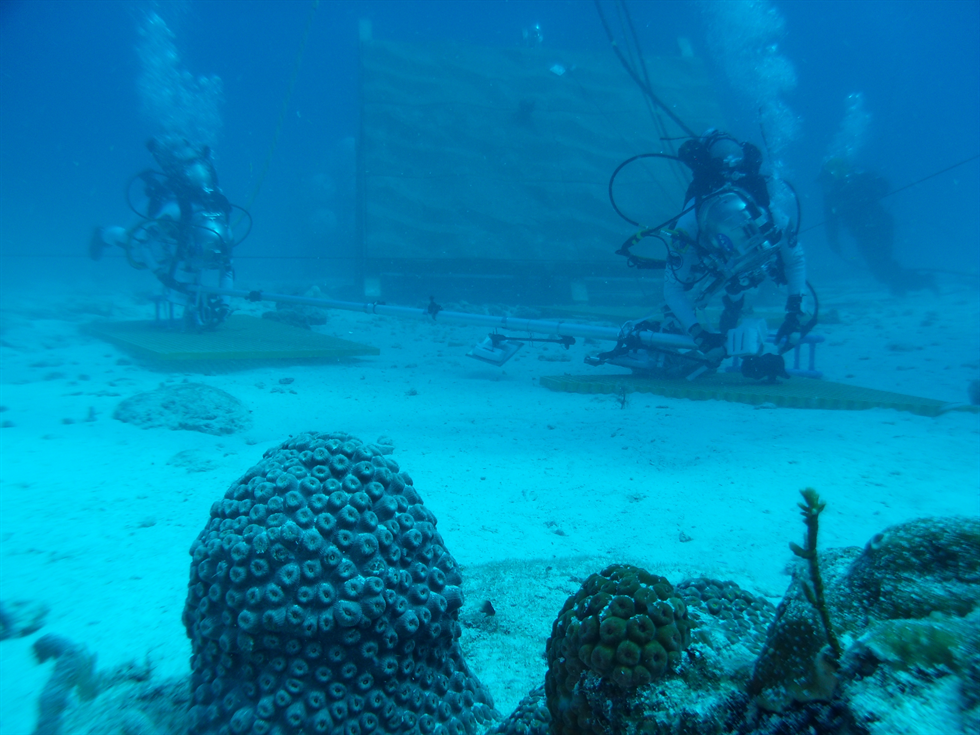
[532, 489]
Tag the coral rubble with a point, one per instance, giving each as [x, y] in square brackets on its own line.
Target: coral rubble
[187, 406]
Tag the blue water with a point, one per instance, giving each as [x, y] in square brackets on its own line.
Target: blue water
[892, 85]
[74, 117]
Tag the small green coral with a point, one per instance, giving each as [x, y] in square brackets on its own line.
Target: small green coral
[602, 659]
[622, 630]
[612, 629]
[641, 629]
[628, 653]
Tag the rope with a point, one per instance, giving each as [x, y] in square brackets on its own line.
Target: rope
[285, 106]
[644, 87]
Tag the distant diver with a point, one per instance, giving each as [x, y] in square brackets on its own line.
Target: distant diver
[852, 200]
[184, 234]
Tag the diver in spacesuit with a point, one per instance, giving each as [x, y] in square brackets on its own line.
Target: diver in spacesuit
[184, 232]
[730, 238]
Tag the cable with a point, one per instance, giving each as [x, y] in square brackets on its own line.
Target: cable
[147, 175]
[812, 322]
[612, 179]
[245, 213]
[654, 112]
[285, 106]
[974, 157]
[645, 88]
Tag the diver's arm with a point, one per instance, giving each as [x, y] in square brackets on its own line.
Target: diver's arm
[794, 266]
[115, 236]
[681, 301]
[681, 258]
[678, 298]
[686, 226]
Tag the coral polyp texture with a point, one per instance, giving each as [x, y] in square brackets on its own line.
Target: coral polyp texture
[739, 616]
[916, 569]
[322, 600]
[624, 629]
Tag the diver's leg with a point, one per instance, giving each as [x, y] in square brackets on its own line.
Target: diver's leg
[874, 235]
[899, 278]
[733, 310]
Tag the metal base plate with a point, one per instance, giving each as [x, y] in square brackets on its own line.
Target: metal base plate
[239, 337]
[793, 393]
[495, 355]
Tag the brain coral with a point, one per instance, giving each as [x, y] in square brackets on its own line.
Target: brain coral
[322, 600]
[622, 630]
[913, 570]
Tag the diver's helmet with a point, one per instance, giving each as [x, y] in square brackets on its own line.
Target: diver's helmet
[184, 163]
[171, 152]
[726, 152]
[718, 157]
[199, 175]
[837, 167]
[735, 233]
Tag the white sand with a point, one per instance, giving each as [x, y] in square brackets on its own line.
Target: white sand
[530, 487]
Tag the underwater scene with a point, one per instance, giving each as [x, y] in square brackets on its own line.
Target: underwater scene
[528, 367]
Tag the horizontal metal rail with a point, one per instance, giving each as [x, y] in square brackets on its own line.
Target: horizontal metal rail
[558, 327]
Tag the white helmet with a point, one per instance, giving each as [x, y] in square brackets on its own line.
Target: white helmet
[735, 231]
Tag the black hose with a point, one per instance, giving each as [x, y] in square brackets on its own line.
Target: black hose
[129, 189]
[248, 232]
[620, 167]
[644, 87]
[816, 312]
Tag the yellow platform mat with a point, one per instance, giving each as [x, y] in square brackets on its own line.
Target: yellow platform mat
[792, 393]
[240, 337]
